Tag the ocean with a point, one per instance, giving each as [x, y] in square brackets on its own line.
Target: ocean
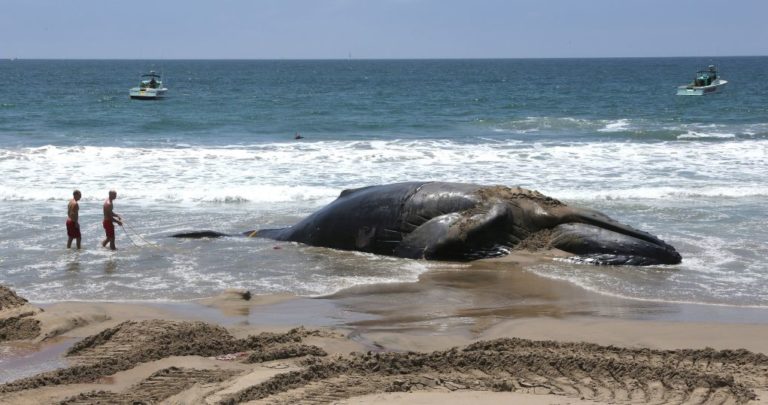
[219, 153]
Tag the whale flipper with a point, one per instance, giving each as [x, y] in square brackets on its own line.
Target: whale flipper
[460, 236]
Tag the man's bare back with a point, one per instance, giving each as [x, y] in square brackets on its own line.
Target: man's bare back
[73, 210]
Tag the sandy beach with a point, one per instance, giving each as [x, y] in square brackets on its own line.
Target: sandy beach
[487, 333]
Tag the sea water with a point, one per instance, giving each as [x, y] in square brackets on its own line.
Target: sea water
[219, 153]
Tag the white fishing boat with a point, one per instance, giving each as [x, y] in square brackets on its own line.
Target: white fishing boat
[150, 88]
[705, 82]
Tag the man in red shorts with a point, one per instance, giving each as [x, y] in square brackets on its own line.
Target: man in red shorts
[73, 226]
[110, 217]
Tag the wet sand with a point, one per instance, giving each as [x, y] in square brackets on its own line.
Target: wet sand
[488, 332]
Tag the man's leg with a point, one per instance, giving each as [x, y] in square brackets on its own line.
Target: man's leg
[69, 243]
[78, 242]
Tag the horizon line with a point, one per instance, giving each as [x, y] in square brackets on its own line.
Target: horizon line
[383, 59]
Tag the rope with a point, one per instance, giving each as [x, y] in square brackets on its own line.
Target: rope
[154, 245]
[138, 235]
[129, 236]
[175, 249]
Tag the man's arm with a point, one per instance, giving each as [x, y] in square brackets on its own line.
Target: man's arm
[116, 218]
[109, 213]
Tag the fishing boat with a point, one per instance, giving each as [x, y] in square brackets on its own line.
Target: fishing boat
[150, 88]
[705, 82]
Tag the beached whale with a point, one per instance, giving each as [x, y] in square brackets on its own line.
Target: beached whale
[461, 222]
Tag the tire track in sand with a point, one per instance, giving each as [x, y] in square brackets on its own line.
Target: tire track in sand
[590, 371]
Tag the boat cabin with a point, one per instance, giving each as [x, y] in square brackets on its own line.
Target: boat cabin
[705, 77]
[152, 82]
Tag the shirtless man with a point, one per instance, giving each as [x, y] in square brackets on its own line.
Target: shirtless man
[73, 213]
[110, 217]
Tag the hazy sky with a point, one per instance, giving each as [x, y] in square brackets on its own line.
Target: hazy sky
[335, 29]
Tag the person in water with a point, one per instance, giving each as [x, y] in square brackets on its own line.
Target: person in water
[73, 226]
[110, 217]
[298, 136]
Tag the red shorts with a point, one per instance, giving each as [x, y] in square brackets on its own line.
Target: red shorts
[109, 228]
[73, 229]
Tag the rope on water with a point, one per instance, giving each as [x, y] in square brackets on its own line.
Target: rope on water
[138, 235]
[129, 236]
[141, 238]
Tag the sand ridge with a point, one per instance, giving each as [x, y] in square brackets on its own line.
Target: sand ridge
[132, 342]
[580, 370]
[20, 326]
[157, 387]
[180, 361]
[9, 299]
[16, 317]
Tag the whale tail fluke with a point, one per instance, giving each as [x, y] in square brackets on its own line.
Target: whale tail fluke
[276, 234]
[263, 233]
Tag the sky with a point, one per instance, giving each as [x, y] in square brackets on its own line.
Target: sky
[380, 29]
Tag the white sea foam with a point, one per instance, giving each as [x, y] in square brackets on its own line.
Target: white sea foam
[318, 171]
[640, 126]
[704, 135]
[664, 193]
[616, 126]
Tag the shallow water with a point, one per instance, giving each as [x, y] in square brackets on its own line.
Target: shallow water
[219, 154]
[23, 359]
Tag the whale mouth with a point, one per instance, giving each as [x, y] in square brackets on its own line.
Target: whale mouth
[596, 245]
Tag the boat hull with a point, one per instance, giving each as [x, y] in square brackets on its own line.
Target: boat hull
[715, 87]
[147, 94]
